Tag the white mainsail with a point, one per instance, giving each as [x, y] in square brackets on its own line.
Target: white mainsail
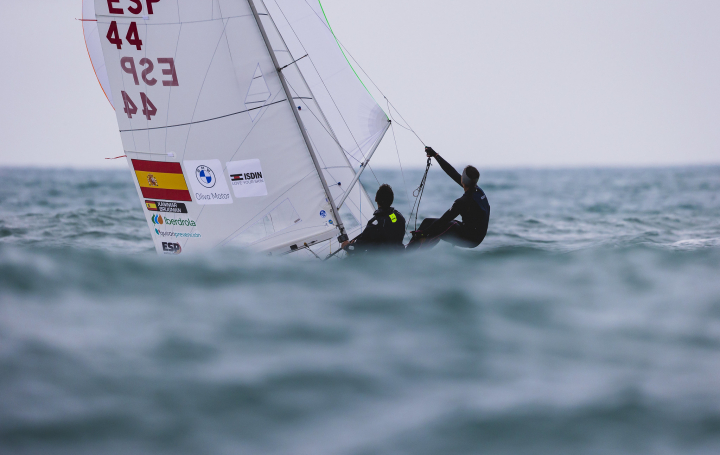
[221, 154]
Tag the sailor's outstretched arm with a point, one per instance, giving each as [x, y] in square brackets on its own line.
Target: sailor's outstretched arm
[449, 170]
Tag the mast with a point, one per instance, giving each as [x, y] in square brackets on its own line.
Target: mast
[343, 235]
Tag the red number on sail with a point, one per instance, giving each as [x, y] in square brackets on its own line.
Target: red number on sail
[149, 108]
[132, 36]
[130, 108]
[138, 7]
[149, 5]
[113, 36]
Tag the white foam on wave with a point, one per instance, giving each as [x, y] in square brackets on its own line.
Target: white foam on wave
[692, 244]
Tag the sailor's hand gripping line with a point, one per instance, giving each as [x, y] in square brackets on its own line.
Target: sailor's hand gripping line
[343, 247]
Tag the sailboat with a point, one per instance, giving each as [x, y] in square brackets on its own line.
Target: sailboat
[242, 121]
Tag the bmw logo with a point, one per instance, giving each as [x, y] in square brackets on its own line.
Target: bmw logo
[205, 176]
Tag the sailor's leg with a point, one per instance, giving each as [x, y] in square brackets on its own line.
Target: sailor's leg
[459, 241]
[417, 241]
[425, 242]
[426, 223]
[457, 236]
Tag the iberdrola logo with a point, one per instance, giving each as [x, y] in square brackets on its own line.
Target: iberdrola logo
[158, 219]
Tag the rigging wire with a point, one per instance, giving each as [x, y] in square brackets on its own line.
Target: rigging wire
[418, 193]
[310, 250]
[400, 124]
[402, 172]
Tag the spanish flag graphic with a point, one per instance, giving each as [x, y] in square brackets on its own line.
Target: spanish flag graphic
[161, 180]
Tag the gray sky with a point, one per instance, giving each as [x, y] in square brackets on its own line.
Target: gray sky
[495, 83]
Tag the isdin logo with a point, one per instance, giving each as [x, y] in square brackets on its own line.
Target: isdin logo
[158, 219]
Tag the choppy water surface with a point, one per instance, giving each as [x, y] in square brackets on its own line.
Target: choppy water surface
[588, 322]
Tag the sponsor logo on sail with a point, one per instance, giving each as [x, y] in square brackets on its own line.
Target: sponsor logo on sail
[161, 180]
[178, 235]
[158, 219]
[323, 213]
[205, 176]
[169, 207]
[246, 178]
[209, 185]
[171, 248]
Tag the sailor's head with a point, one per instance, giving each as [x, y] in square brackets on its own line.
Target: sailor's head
[384, 196]
[470, 177]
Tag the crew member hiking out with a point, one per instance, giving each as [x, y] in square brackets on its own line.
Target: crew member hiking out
[473, 207]
[385, 230]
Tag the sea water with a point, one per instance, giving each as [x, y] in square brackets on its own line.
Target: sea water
[588, 322]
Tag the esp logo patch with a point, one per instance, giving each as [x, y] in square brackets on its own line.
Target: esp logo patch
[171, 248]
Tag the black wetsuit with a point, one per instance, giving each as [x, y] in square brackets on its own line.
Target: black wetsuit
[474, 208]
[384, 231]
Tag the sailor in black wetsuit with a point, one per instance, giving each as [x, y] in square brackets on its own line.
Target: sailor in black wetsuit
[385, 230]
[473, 206]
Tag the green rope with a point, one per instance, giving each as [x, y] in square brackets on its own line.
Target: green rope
[343, 52]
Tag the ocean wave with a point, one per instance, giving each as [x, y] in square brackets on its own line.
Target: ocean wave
[567, 331]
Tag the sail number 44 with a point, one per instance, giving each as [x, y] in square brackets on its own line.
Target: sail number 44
[149, 109]
[145, 66]
[128, 66]
[132, 37]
